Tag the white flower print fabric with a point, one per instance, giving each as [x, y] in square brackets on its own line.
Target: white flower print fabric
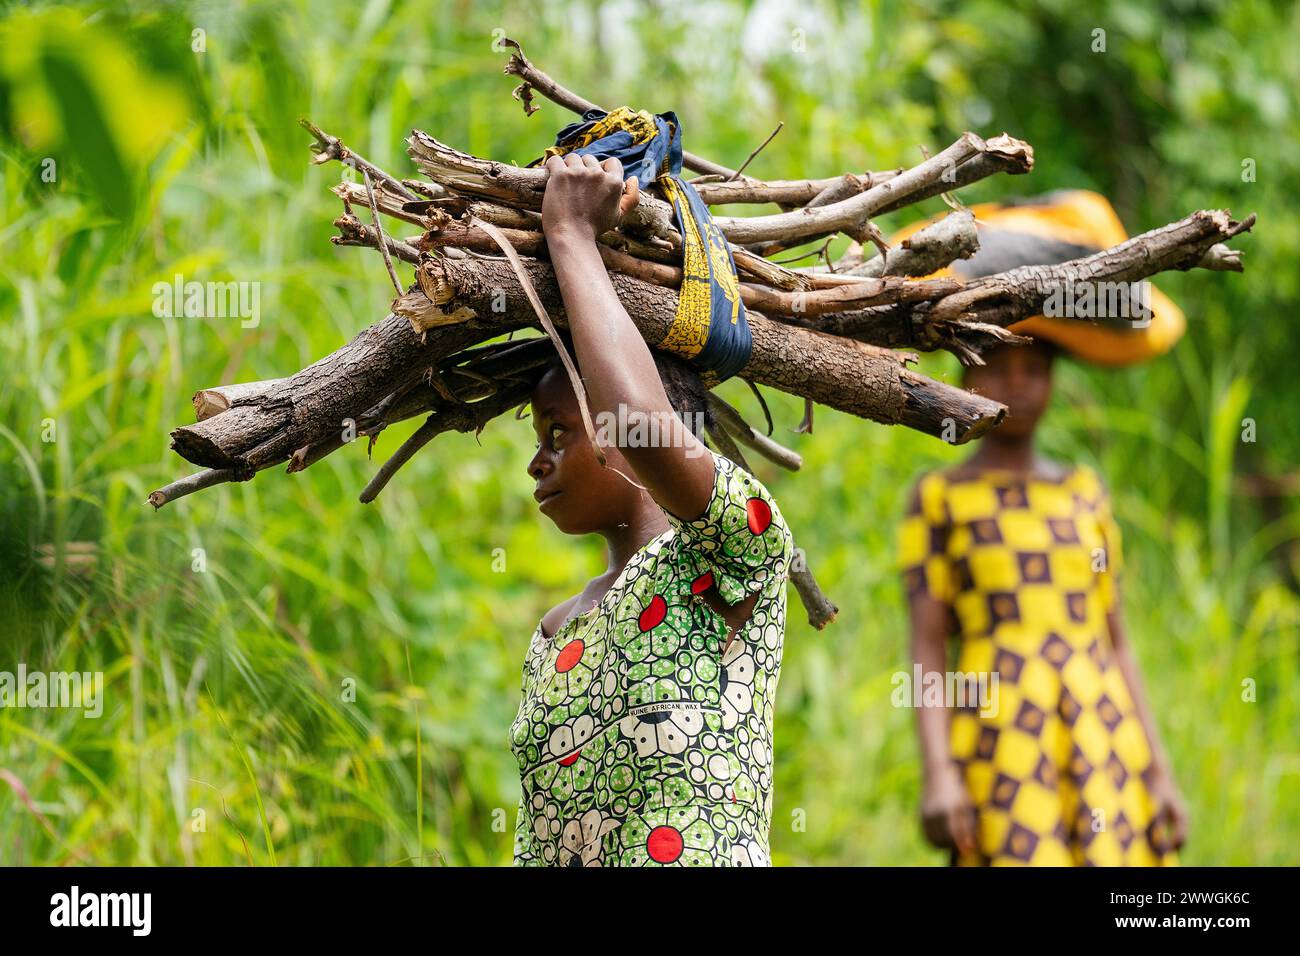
[639, 742]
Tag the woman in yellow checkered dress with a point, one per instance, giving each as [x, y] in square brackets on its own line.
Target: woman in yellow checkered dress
[1020, 557]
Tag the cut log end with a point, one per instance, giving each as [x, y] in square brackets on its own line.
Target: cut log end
[209, 402]
[201, 450]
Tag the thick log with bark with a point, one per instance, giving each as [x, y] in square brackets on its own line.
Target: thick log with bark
[305, 408]
[849, 376]
[269, 425]
[1010, 296]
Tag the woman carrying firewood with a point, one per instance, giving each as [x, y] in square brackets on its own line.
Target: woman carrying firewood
[644, 733]
[1020, 557]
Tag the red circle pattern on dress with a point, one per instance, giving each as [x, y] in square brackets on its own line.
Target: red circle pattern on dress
[653, 614]
[569, 656]
[664, 844]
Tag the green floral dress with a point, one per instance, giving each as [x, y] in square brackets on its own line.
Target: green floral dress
[639, 742]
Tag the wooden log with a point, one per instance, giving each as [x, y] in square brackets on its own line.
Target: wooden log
[315, 403]
[935, 175]
[782, 192]
[850, 376]
[1013, 295]
[939, 244]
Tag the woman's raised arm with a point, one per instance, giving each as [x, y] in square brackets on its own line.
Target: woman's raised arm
[585, 198]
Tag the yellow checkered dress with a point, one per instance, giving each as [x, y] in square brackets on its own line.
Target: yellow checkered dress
[1059, 768]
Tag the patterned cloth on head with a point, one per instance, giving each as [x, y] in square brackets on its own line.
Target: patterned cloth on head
[710, 328]
[1059, 767]
[640, 743]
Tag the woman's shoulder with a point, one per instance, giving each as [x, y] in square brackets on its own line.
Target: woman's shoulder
[928, 492]
[1046, 470]
[1088, 484]
[556, 616]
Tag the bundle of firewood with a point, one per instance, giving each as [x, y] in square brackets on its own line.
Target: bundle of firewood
[837, 333]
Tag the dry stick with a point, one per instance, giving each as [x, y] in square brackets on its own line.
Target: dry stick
[389, 205]
[746, 434]
[968, 321]
[1008, 296]
[782, 192]
[310, 405]
[761, 146]
[509, 363]
[461, 417]
[847, 187]
[196, 482]
[354, 232]
[379, 232]
[810, 254]
[805, 426]
[925, 252]
[852, 213]
[535, 79]
[331, 147]
[821, 610]
[910, 326]
[575, 378]
[762, 403]
[1006, 155]
[503, 365]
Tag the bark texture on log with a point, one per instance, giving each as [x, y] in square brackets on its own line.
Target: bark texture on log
[308, 407]
[845, 375]
[1013, 295]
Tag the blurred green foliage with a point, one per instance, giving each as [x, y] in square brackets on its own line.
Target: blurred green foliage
[224, 698]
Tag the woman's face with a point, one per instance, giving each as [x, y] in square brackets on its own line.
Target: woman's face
[1020, 377]
[573, 489]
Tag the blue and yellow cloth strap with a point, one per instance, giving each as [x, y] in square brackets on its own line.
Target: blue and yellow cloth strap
[710, 329]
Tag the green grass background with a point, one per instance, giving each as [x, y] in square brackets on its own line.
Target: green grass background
[225, 737]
